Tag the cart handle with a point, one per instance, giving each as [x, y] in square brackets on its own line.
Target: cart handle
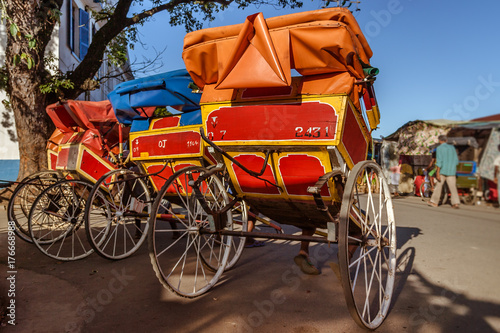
[6, 183]
[250, 172]
[220, 150]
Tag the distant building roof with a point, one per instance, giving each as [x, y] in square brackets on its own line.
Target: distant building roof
[493, 117]
[478, 124]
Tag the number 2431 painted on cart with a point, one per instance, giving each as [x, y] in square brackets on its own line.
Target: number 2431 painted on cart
[311, 132]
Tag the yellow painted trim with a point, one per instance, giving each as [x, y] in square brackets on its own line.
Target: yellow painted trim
[49, 154]
[364, 131]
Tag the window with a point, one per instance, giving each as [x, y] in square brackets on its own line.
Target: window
[79, 29]
[71, 26]
[84, 33]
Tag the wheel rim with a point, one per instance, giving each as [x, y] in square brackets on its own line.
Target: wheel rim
[56, 220]
[116, 214]
[185, 260]
[23, 197]
[240, 223]
[367, 220]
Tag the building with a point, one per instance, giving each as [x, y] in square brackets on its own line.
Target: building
[69, 45]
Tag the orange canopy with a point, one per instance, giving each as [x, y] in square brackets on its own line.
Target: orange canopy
[96, 119]
[261, 53]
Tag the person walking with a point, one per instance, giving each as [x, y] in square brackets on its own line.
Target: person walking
[446, 170]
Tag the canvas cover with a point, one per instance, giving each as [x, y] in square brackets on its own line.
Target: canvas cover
[325, 46]
[417, 137]
[91, 123]
[138, 99]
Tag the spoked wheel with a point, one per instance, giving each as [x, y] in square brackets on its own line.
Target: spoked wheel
[367, 248]
[117, 213]
[240, 223]
[56, 220]
[186, 260]
[24, 195]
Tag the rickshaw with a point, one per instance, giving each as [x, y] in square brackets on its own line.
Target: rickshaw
[163, 114]
[29, 188]
[293, 148]
[51, 203]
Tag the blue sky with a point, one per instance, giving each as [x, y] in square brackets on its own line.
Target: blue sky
[437, 59]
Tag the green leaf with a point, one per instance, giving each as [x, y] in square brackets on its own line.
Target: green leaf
[31, 63]
[14, 30]
[16, 59]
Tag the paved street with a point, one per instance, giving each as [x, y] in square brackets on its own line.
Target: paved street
[447, 281]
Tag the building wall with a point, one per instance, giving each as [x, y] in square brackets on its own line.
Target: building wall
[8, 149]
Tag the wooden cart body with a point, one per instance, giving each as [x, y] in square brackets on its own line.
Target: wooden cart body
[307, 137]
[308, 126]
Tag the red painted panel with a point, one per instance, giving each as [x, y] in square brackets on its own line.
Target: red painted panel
[157, 180]
[167, 144]
[301, 171]
[166, 122]
[353, 138]
[165, 175]
[94, 167]
[300, 121]
[62, 158]
[249, 184]
[53, 161]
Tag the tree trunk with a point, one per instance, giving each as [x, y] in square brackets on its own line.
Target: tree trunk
[33, 125]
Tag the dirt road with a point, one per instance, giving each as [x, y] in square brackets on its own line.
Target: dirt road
[447, 281]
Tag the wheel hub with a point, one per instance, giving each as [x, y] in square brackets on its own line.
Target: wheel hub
[193, 230]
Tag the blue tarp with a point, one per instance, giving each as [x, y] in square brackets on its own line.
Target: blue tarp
[161, 90]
